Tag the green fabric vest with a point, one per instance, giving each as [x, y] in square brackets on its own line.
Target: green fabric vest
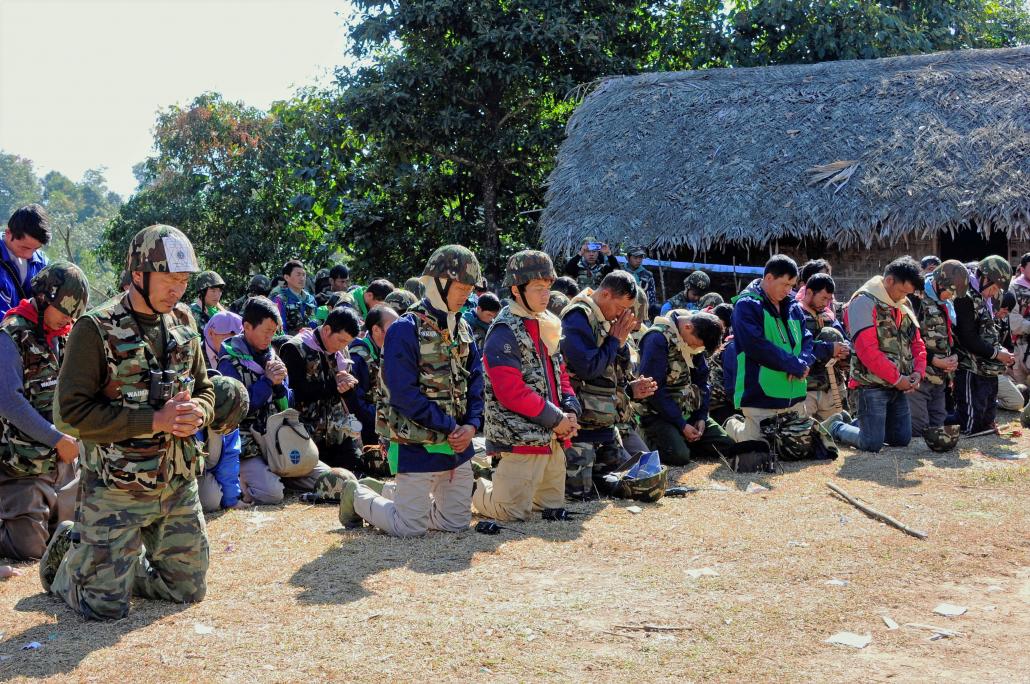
[988, 330]
[596, 396]
[895, 343]
[147, 462]
[20, 455]
[933, 326]
[774, 383]
[678, 384]
[443, 379]
[507, 427]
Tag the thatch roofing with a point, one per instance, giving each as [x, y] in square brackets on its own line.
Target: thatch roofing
[844, 151]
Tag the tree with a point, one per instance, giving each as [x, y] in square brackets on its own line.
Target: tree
[18, 185]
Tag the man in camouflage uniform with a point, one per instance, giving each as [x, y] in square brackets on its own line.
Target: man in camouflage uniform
[981, 357]
[594, 261]
[694, 287]
[296, 305]
[889, 360]
[675, 418]
[209, 296]
[37, 460]
[821, 402]
[260, 285]
[645, 279]
[135, 387]
[400, 300]
[1019, 322]
[595, 328]
[366, 354]
[531, 410]
[634, 388]
[936, 318]
[431, 405]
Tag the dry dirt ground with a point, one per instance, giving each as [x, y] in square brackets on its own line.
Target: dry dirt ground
[610, 596]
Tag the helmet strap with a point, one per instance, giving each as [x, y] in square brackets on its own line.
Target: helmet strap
[522, 295]
[443, 289]
[145, 291]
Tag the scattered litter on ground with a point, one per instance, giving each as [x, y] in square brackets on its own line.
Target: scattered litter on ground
[718, 487]
[634, 509]
[754, 488]
[850, 639]
[938, 632]
[837, 583]
[32, 646]
[652, 628]
[891, 624]
[203, 629]
[1005, 456]
[797, 544]
[701, 572]
[949, 610]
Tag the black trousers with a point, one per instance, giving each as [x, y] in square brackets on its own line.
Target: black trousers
[976, 401]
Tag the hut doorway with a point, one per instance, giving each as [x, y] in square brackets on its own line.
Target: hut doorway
[969, 244]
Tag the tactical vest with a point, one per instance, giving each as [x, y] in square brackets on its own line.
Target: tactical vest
[200, 316]
[626, 366]
[298, 312]
[597, 396]
[988, 331]
[589, 276]
[680, 301]
[506, 427]
[367, 351]
[678, 383]
[717, 398]
[1022, 308]
[146, 462]
[329, 409]
[895, 343]
[20, 455]
[935, 329]
[237, 352]
[442, 377]
[818, 377]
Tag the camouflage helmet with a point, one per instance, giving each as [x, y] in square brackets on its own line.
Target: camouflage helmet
[400, 300]
[231, 403]
[527, 265]
[455, 262]
[996, 270]
[698, 280]
[640, 305]
[953, 276]
[636, 251]
[259, 284]
[163, 249]
[63, 285]
[941, 438]
[708, 299]
[649, 488]
[557, 303]
[329, 485]
[125, 279]
[208, 279]
[829, 334]
[414, 285]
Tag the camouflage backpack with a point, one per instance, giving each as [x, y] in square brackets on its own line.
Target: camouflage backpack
[793, 437]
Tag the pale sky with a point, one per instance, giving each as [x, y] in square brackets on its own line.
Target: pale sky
[81, 81]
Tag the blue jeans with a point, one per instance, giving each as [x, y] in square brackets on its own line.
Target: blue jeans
[883, 416]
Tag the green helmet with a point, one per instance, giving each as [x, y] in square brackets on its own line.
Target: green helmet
[636, 251]
[162, 249]
[640, 305]
[829, 334]
[231, 403]
[259, 284]
[454, 262]
[208, 279]
[710, 299]
[527, 265]
[557, 303]
[414, 285]
[996, 270]
[941, 438]
[951, 275]
[649, 488]
[329, 486]
[63, 285]
[400, 300]
[698, 280]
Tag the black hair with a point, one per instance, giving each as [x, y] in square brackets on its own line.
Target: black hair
[906, 270]
[780, 265]
[708, 327]
[936, 260]
[1008, 300]
[254, 287]
[811, 267]
[290, 265]
[339, 271]
[322, 283]
[31, 220]
[343, 318]
[375, 316]
[380, 288]
[724, 312]
[257, 310]
[1025, 259]
[820, 282]
[488, 301]
[620, 283]
[566, 285]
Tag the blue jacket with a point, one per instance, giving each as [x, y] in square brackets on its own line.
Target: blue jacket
[654, 364]
[227, 470]
[11, 291]
[359, 399]
[260, 392]
[749, 336]
[400, 375]
[587, 361]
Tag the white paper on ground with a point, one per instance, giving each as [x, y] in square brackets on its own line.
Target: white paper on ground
[850, 639]
[949, 610]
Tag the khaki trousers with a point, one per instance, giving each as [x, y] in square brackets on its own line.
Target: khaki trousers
[748, 427]
[31, 508]
[522, 484]
[1009, 396]
[266, 488]
[419, 502]
[819, 404]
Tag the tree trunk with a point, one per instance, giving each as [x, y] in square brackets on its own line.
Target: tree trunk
[491, 253]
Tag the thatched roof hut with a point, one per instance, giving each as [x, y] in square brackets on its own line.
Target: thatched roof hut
[851, 153]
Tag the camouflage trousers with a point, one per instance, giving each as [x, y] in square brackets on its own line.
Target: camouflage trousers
[149, 544]
[586, 460]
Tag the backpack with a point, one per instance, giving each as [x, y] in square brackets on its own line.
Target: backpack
[286, 445]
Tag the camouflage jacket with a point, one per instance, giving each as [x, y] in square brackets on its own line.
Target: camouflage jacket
[679, 385]
[1019, 318]
[818, 375]
[20, 455]
[325, 415]
[716, 379]
[503, 426]
[442, 374]
[935, 327]
[627, 364]
[680, 301]
[987, 330]
[147, 462]
[895, 339]
[201, 315]
[597, 395]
